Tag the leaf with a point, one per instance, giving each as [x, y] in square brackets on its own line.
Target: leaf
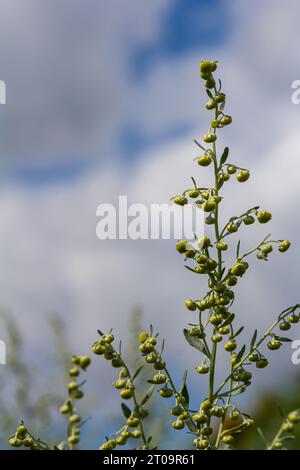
[196, 343]
[238, 248]
[284, 340]
[194, 181]
[199, 145]
[184, 377]
[253, 340]
[240, 354]
[262, 435]
[147, 396]
[209, 93]
[224, 156]
[238, 332]
[126, 410]
[137, 372]
[228, 320]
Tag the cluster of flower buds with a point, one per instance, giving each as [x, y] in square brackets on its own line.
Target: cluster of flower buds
[80, 363]
[126, 433]
[287, 428]
[23, 438]
[103, 347]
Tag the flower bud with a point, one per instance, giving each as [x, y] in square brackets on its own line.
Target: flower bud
[294, 417]
[159, 379]
[126, 394]
[190, 304]
[166, 392]
[262, 363]
[264, 216]
[209, 205]
[193, 193]
[248, 220]
[222, 246]
[84, 362]
[226, 120]
[180, 200]
[231, 169]
[204, 242]
[274, 344]
[181, 246]
[205, 160]
[98, 348]
[202, 369]
[243, 176]
[210, 83]
[200, 418]
[73, 440]
[211, 104]
[231, 227]
[74, 419]
[228, 439]
[239, 268]
[133, 422]
[143, 336]
[209, 138]
[285, 325]
[206, 66]
[230, 345]
[284, 246]
[178, 424]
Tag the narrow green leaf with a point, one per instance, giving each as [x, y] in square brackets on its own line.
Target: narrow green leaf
[228, 320]
[126, 410]
[240, 354]
[238, 249]
[209, 93]
[224, 156]
[137, 372]
[253, 340]
[147, 396]
[238, 332]
[196, 343]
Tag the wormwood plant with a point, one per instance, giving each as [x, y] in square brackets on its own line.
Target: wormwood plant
[214, 333]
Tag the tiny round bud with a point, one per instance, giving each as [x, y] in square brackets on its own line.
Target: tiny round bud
[73, 440]
[166, 392]
[72, 386]
[74, 372]
[205, 160]
[222, 246]
[176, 411]
[230, 345]
[74, 419]
[284, 326]
[202, 369]
[181, 246]
[143, 336]
[231, 227]
[126, 394]
[119, 384]
[284, 246]
[231, 169]
[243, 176]
[209, 205]
[294, 417]
[226, 120]
[220, 98]
[204, 242]
[248, 220]
[180, 200]
[84, 362]
[211, 104]
[193, 193]
[136, 434]
[253, 357]
[228, 439]
[159, 379]
[209, 138]
[108, 339]
[178, 424]
[190, 304]
[262, 363]
[274, 344]
[133, 422]
[264, 216]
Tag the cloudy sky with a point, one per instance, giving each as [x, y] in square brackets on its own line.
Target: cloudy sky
[103, 99]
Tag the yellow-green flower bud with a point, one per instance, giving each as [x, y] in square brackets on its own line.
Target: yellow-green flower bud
[204, 242]
[133, 422]
[202, 369]
[262, 363]
[231, 169]
[274, 344]
[243, 176]
[181, 246]
[284, 246]
[231, 227]
[285, 325]
[211, 104]
[126, 393]
[209, 205]
[230, 345]
[74, 419]
[166, 392]
[264, 216]
[85, 362]
[248, 220]
[180, 200]
[178, 424]
[143, 336]
[190, 304]
[193, 193]
[222, 246]
[294, 417]
[226, 120]
[209, 138]
[205, 160]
